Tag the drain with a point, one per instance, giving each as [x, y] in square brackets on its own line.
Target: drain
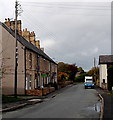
[97, 107]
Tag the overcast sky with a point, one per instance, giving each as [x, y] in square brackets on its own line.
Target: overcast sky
[70, 31]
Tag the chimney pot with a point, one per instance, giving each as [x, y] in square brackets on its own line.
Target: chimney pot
[37, 44]
[8, 19]
[5, 19]
[42, 49]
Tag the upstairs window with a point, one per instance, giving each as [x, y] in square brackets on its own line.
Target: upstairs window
[30, 61]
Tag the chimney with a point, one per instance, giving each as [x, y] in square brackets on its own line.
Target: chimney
[26, 34]
[11, 24]
[42, 49]
[32, 38]
[37, 44]
[7, 22]
[19, 27]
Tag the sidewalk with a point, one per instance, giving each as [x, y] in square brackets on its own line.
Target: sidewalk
[108, 104]
[29, 100]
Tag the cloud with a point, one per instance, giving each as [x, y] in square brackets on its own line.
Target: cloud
[70, 32]
[95, 50]
[48, 43]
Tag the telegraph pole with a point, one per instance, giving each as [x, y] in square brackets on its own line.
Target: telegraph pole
[94, 69]
[17, 12]
[16, 50]
[94, 62]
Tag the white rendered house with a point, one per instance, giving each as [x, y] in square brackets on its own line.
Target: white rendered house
[104, 62]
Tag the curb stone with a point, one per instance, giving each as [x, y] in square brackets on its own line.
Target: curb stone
[13, 108]
[102, 107]
[29, 102]
[34, 101]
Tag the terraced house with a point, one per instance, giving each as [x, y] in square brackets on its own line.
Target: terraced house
[36, 70]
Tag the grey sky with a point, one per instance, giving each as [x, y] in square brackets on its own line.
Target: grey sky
[71, 32]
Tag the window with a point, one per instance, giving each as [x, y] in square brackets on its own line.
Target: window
[103, 80]
[30, 61]
[30, 85]
[38, 63]
[29, 82]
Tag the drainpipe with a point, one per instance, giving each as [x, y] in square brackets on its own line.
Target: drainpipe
[25, 68]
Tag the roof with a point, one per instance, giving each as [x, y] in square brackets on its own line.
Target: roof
[106, 59]
[27, 44]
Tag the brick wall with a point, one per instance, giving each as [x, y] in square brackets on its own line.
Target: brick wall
[40, 92]
[34, 92]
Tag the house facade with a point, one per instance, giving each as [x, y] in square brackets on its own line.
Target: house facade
[104, 61]
[35, 68]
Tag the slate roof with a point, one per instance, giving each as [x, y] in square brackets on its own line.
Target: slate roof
[27, 44]
[106, 59]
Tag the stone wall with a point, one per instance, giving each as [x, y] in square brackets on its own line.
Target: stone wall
[40, 92]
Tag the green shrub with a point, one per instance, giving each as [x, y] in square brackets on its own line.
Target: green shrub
[110, 77]
[81, 77]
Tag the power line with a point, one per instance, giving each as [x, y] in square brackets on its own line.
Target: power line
[69, 8]
[69, 13]
[64, 4]
[48, 5]
[39, 26]
[33, 25]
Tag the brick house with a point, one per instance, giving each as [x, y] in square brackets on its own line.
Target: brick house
[104, 61]
[35, 68]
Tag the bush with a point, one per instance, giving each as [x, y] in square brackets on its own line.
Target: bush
[81, 77]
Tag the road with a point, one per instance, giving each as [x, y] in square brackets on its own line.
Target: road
[73, 102]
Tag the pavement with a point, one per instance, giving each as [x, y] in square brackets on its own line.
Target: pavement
[28, 100]
[107, 104]
[106, 112]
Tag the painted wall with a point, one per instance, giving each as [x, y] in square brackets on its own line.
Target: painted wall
[0, 46]
[8, 45]
[103, 73]
[0, 60]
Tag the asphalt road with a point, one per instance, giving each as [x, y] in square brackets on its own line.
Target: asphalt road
[73, 102]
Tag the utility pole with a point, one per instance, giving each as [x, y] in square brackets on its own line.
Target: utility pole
[94, 69]
[17, 12]
[16, 50]
[94, 62]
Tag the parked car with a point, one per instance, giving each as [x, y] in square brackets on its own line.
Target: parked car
[89, 85]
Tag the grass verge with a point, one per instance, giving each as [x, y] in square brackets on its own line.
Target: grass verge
[7, 99]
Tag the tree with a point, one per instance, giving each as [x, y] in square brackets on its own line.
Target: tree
[62, 76]
[72, 69]
[94, 72]
[110, 77]
[81, 77]
[80, 69]
[62, 67]
[69, 69]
